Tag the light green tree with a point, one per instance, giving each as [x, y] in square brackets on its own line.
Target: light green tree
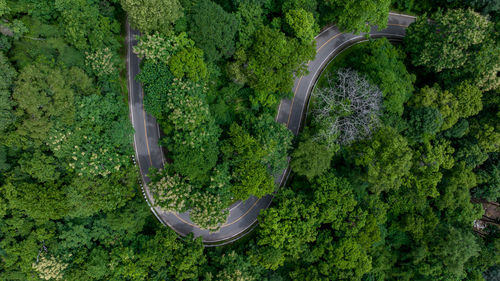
[357, 16]
[273, 61]
[150, 16]
[302, 25]
[386, 158]
[188, 63]
[44, 100]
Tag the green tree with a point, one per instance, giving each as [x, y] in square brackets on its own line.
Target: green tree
[448, 256]
[4, 9]
[423, 123]
[301, 24]
[167, 256]
[386, 158]
[250, 20]
[85, 27]
[155, 47]
[41, 202]
[250, 175]
[469, 99]
[8, 73]
[275, 139]
[159, 48]
[213, 30]
[442, 100]
[286, 229]
[98, 143]
[156, 78]
[183, 113]
[209, 211]
[308, 5]
[429, 160]
[188, 63]
[448, 41]
[349, 260]
[273, 61]
[488, 177]
[44, 100]
[6, 80]
[40, 166]
[150, 16]
[311, 159]
[103, 63]
[383, 64]
[171, 193]
[236, 266]
[354, 15]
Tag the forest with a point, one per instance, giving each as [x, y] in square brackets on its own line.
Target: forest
[394, 176]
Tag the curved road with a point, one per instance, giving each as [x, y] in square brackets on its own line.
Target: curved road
[243, 215]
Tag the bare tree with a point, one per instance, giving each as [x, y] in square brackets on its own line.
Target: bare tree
[347, 109]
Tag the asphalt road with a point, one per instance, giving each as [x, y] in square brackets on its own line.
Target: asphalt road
[243, 215]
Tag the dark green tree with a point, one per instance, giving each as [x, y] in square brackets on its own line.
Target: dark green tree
[423, 123]
[213, 30]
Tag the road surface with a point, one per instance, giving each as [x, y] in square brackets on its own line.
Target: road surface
[243, 215]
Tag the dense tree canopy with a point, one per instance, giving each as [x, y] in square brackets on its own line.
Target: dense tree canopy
[417, 199]
[459, 45]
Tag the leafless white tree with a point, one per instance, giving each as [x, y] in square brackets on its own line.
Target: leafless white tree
[347, 109]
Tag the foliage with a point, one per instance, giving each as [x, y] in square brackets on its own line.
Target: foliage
[102, 62]
[250, 20]
[49, 268]
[388, 208]
[383, 64]
[213, 30]
[188, 63]
[446, 42]
[353, 15]
[457, 44]
[274, 59]
[488, 178]
[156, 78]
[257, 155]
[301, 24]
[6, 81]
[150, 16]
[386, 157]
[183, 112]
[311, 159]
[423, 123]
[172, 193]
[156, 47]
[208, 212]
[460, 102]
[85, 27]
[250, 175]
[44, 100]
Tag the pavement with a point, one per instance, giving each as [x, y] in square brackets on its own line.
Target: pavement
[243, 215]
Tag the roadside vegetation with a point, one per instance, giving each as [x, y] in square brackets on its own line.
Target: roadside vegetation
[395, 175]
